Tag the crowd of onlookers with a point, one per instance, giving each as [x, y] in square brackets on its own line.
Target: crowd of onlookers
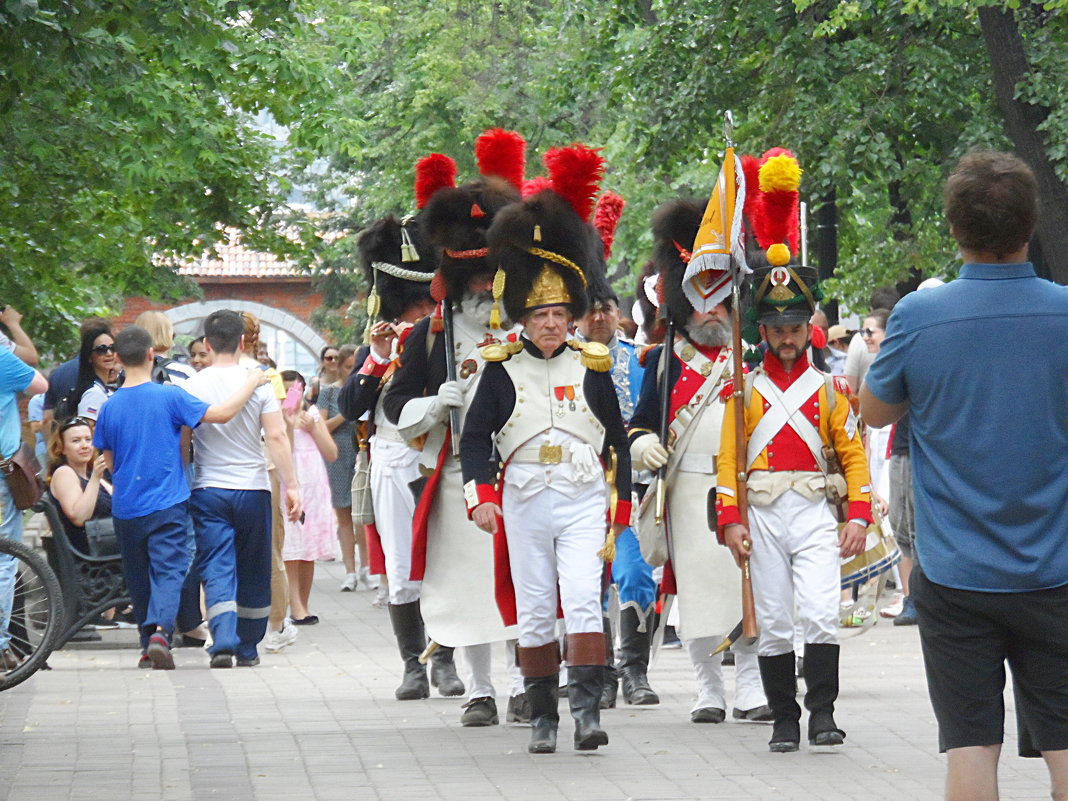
[62, 416]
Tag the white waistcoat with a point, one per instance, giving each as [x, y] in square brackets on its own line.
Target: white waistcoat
[548, 394]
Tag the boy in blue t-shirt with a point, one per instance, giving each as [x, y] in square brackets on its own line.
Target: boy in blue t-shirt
[139, 430]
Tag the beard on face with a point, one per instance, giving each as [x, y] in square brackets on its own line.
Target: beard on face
[476, 306]
[777, 351]
[711, 333]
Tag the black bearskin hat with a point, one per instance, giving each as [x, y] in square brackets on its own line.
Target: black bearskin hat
[456, 220]
[561, 241]
[387, 243]
[675, 225]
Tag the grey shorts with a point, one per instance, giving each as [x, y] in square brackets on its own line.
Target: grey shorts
[902, 519]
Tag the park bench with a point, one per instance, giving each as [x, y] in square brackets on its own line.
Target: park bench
[91, 584]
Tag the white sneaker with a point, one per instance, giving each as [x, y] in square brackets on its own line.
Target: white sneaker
[275, 641]
[364, 580]
[893, 609]
[381, 596]
[349, 584]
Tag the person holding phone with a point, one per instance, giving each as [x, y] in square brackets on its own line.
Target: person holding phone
[313, 535]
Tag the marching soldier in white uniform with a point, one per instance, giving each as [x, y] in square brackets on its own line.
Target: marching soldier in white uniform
[801, 438]
[450, 555]
[399, 263]
[548, 406]
[699, 572]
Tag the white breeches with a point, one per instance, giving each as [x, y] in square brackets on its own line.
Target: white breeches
[552, 543]
[708, 671]
[393, 466]
[795, 559]
[476, 663]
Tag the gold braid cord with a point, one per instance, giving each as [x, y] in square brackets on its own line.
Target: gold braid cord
[563, 261]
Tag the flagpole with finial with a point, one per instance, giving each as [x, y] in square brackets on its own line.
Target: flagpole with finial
[749, 622]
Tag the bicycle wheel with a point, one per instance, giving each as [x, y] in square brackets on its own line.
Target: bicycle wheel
[36, 605]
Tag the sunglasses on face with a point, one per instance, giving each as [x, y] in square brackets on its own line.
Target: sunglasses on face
[102, 349]
[870, 332]
[329, 358]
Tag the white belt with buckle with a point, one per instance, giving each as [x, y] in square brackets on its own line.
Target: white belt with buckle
[545, 454]
[389, 435]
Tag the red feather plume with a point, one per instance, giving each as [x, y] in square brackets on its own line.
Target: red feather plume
[576, 173]
[535, 185]
[606, 217]
[751, 168]
[431, 174]
[503, 154]
[777, 215]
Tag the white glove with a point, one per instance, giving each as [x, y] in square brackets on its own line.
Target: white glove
[648, 452]
[584, 463]
[451, 393]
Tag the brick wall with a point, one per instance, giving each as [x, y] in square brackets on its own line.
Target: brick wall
[291, 295]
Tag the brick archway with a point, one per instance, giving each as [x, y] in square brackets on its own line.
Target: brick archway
[186, 320]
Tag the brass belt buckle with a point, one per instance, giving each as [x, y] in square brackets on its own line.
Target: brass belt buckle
[550, 454]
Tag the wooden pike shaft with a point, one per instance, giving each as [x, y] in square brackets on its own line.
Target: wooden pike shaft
[749, 622]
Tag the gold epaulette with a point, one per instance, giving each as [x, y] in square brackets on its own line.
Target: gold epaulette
[595, 356]
[501, 351]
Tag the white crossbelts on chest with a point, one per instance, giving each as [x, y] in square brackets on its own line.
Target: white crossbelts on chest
[695, 426]
[785, 410]
[549, 394]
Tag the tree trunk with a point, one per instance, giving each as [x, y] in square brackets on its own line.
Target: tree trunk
[827, 246]
[1009, 66]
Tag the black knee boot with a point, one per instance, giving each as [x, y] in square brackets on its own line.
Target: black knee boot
[584, 685]
[544, 717]
[411, 640]
[611, 675]
[634, 659]
[780, 688]
[821, 683]
[443, 673]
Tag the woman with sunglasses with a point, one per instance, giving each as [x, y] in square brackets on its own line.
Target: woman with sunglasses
[77, 480]
[98, 372]
[327, 375]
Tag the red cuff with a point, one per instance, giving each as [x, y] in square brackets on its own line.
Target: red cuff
[859, 510]
[727, 516]
[373, 368]
[477, 494]
[623, 510]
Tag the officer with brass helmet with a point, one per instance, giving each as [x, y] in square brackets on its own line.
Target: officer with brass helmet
[548, 406]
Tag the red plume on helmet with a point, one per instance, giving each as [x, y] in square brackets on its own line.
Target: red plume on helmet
[606, 216]
[432, 173]
[535, 185]
[502, 154]
[776, 219]
[576, 173]
[751, 168]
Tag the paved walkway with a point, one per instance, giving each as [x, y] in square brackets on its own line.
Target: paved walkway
[319, 721]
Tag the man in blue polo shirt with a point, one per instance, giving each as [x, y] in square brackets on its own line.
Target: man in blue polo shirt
[139, 431]
[15, 376]
[981, 366]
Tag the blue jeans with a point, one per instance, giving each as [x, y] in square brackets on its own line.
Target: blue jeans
[10, 529]
[155, 557]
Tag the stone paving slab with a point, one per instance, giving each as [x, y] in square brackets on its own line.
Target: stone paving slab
[319, 721]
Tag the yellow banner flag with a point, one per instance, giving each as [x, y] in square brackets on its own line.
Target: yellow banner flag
[707, 280]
